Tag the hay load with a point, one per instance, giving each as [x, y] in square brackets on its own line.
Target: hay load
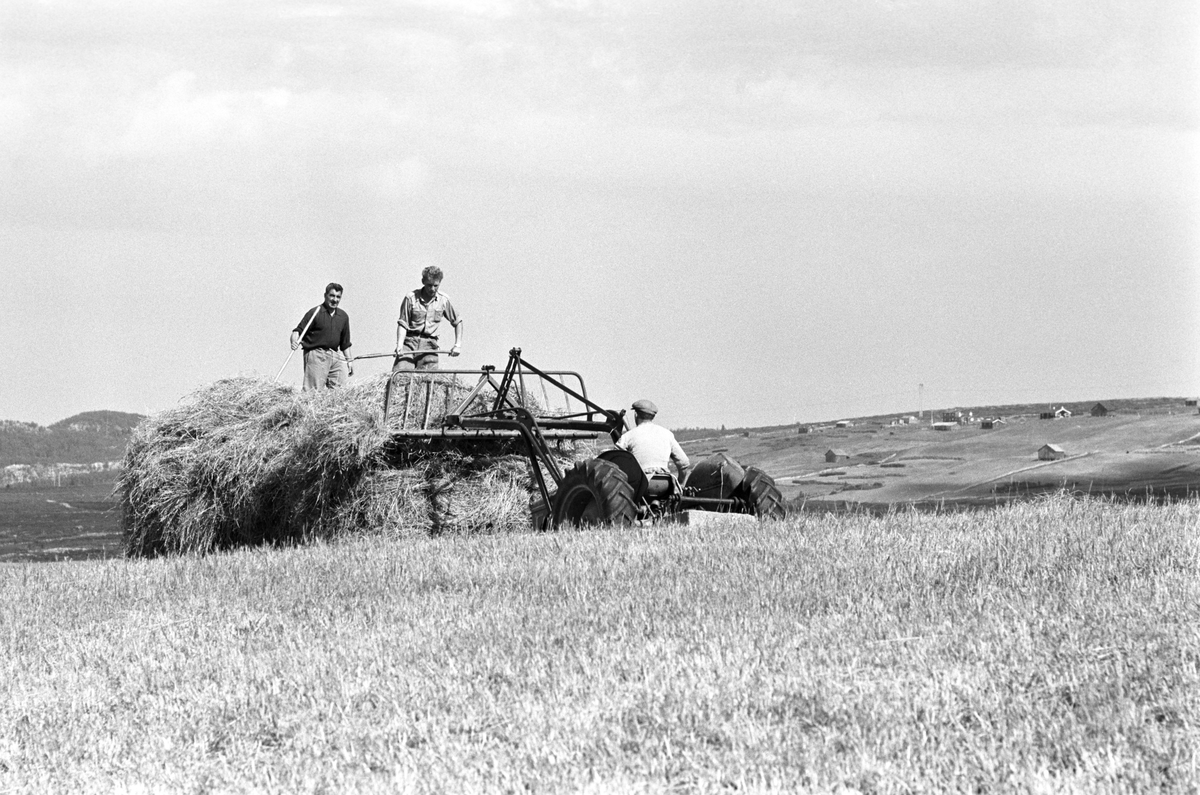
[246, 461]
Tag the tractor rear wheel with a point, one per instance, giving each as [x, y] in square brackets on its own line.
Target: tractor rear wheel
[594, 492]
[760, 492]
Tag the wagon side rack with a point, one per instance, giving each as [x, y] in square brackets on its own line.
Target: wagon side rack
[608, 488]
[506, 417]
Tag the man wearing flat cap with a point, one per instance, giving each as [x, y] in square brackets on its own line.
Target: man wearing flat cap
[652, 445]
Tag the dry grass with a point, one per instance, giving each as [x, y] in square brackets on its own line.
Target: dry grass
[1052, 646]
[246, 462]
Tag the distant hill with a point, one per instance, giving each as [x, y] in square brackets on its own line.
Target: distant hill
[1151, 405]
[104, 423]
[82, 439]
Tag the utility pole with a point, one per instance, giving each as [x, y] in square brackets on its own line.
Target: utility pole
[921, 401]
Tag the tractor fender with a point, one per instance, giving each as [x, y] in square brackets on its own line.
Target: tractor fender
[628, 464]
[716, 477]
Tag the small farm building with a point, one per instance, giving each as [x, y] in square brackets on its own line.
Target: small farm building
[1059, 413]
[843, 424]
[987, 425]
[1051, 452]
[944, 426]
[804, 429]
[1189, 402]
[836, 454]
[1099, 410]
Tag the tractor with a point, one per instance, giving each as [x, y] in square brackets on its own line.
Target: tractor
[529, 409]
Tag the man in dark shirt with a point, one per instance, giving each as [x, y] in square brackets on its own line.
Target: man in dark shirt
[324, 333]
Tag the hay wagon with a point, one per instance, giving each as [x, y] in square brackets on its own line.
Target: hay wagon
[535, 412]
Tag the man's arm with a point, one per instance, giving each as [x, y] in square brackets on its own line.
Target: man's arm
[451, 316]
[300, 328]
[681, 460]
[346, 346]
[402, 327]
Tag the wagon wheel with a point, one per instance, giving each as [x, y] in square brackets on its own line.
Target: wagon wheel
[594, 492]
[760, 493]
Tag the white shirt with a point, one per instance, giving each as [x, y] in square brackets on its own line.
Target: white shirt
[654, 447]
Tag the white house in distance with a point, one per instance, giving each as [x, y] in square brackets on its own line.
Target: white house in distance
[1051, 452]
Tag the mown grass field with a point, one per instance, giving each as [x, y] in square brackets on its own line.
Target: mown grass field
[1052, 646]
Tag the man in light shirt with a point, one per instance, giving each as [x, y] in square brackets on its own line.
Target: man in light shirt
[652, 445]
[421, 314]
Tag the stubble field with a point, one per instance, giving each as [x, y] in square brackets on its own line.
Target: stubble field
[1051, 645]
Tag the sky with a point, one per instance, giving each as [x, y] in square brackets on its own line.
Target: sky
[751, 213]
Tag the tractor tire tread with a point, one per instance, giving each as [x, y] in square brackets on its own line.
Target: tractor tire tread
[759, 489]
[595, 481]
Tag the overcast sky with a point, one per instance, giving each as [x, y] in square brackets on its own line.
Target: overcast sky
[751, 213]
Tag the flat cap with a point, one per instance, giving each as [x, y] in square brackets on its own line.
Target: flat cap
[645, 407]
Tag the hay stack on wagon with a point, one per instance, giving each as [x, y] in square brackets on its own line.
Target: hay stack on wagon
[246, 461]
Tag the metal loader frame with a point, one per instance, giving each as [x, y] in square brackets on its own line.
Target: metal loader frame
[507, 420]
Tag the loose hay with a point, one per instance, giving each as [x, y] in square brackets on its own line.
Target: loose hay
[247, 461]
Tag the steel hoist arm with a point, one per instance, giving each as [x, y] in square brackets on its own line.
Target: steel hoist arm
[526, 425]
[612, 424]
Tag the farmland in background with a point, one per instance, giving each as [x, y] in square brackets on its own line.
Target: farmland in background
[1138, 450]
[75, 521]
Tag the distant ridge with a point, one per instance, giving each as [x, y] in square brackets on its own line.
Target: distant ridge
[106, 422]
[86, 438]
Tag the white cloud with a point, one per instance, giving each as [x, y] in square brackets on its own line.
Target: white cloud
[491, 9]
[14, 122]
[175, 117]
[395, 179]
[312, 11]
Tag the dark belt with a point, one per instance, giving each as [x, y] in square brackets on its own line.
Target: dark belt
[420, 335]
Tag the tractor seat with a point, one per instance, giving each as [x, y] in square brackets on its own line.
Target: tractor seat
[646, 485]
[660, 485]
